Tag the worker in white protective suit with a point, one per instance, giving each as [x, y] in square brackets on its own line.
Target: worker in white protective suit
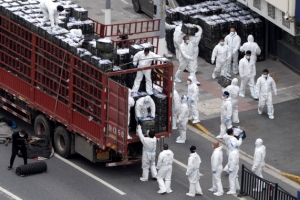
[185, 57]
[264, 86]
[169, 27]
[178, 39]
[141, 108]
[233, 91]
[253, 47]
[193, 173]
[259, 162]
[228, 138]
[226, 114]
[194, 44]
[234, 43]
[144, 59]
[131, 103]
[233, 168]
[221, 52]
[193, 92]
[164, 167]
[247, 74]
[149, 152]
[216, 168]
[51, 11]
[175, 106]
[183, 119]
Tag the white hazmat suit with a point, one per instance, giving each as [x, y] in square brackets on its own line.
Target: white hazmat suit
[164, 167]
[247, 74]
[49, 10]
[253, 47]
[144, 60]
[182, 120]
[142, 105]
[177, 39]
[221, 52]
[234, 43]
[233, 168]
[217, 167]
[233, 91]
[229, 139]
[259, 160]
[131, 103]
[149, 152]
[226, 114]
[186, 56]
[264, 87]
[193, 174]
[193, 92]
[175, 107]
[194, 44]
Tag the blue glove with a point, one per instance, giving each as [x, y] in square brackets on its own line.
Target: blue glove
[227, 120]
[134, 66]
[192, 101]
[229, 171]
[166, 61]
[214, 172]
[241, 136]
[139, 118]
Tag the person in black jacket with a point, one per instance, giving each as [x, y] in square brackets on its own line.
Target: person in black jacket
[19, 140]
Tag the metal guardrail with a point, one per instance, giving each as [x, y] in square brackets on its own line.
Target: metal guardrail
[261, 189]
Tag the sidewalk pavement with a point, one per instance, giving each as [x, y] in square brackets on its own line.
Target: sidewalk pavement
[210, 102]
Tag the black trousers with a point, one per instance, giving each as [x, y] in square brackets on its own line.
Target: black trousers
[15, 152]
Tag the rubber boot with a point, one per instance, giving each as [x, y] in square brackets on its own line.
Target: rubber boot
[271, 112]
[177, 76]
[168, 186]
[162, 186]
[153, 171]
[235, 116]
[145, 175]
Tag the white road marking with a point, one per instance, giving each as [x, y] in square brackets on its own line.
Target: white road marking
[90, 175]
[182, 165]
[288, 87]
[125, 2]
[10, 194]
[249, 159]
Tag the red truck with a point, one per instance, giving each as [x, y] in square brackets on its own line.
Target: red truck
[46, 86]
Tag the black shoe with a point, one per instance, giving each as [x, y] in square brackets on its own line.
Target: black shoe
[9, 167]
[154, 179]
[185, 70]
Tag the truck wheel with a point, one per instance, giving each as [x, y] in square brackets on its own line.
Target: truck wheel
[43, 124]
[62, 141]
[136, 6]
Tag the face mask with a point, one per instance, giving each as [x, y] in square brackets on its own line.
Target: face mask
[232, 33]
[21, 135]
[266, 76]
[221, 43]
[188, 82]
[248, 57]
[187, 41]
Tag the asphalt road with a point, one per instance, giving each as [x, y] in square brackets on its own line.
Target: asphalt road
[63, 181]
[281, 135]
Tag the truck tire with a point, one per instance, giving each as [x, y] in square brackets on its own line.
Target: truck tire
[44, 124]
[62, 141]
[136, 6]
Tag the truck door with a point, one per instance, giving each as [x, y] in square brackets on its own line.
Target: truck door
[117, 116]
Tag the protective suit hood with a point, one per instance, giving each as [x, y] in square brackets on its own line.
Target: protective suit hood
[168, 152]
[234, 82]
[258, 142]
[250, 38]
[219, 148]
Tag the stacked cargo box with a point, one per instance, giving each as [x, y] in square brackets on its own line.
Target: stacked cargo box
[216, 18]
[87, 46]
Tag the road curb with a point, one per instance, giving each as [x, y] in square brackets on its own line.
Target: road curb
[200, 127]
[292, 177]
